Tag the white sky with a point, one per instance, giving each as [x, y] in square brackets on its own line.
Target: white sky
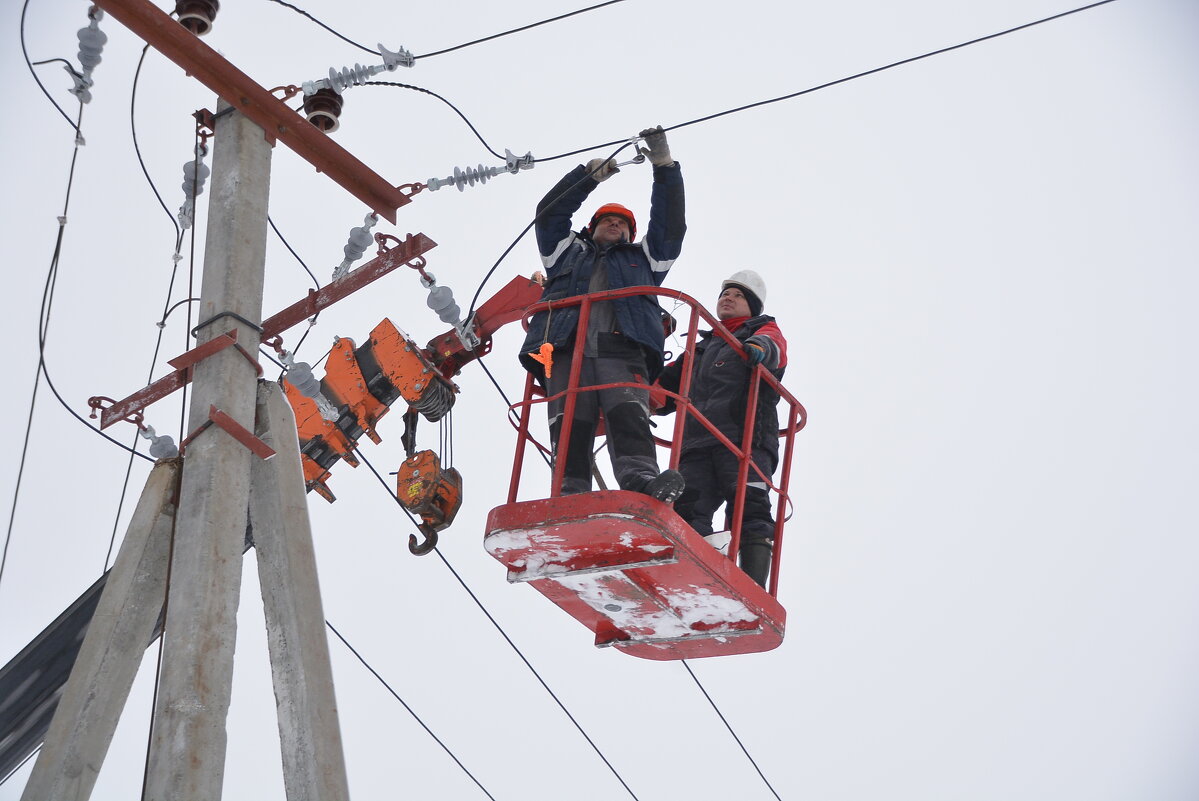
[985, 263]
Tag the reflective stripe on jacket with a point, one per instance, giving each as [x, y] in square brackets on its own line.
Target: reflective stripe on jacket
[570, 258]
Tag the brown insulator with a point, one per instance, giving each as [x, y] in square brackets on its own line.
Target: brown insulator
[323, 107]
[197, 15]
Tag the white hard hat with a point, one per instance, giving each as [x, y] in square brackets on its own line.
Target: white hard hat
[747, 279]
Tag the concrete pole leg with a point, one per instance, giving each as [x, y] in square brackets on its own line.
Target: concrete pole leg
[112, 651]
[313, 762]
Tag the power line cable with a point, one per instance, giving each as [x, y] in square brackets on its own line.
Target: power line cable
[448, 49]
[508, 403]
[724, 720]
[891, 65]
[500, 629]
[291, 250]
[411, 712]
[518, 30]
[138, 151]
[346, 39]
[474, 130]
[624, 143]
[846, 79]
[25, 53]
[543, 208]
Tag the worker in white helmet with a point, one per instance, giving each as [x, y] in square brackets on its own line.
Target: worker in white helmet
[719, 391]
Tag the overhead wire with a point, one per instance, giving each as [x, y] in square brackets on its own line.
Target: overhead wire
[469, 124]
[729, 726]
[624, 142]
[33, 72]
[312, 320]
[363, 47]
[846, 79]
[42, 367]
[410, 710]
[544, 207]
[500, 629]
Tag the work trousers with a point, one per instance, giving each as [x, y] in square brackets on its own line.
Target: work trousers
[625, 410]
[711, 475]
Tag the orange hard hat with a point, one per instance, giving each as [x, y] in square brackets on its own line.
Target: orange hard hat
[619, 211]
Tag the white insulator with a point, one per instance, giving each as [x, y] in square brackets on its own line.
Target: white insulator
[359, 240]
[441, 300]
[195, 174]
[91, 46]
[480, 174]
[161, 447]
[302, 378]
[399, 58]
[357, 75]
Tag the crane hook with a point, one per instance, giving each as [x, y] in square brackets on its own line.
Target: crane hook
[425, 547]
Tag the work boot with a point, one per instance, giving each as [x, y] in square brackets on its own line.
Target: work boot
[666, 486]
[755, 561]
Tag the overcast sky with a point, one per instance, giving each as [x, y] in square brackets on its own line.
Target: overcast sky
[984, 262]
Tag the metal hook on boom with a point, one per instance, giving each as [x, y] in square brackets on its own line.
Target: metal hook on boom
[422, 548]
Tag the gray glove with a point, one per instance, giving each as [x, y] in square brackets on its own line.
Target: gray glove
[602, 170]
[656, 149]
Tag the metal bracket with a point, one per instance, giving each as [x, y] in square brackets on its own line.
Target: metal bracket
[233, 429]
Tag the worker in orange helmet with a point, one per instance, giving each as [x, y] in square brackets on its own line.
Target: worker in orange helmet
[720, 381]
[624, 340]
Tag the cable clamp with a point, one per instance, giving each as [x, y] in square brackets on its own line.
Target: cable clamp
[399, 58]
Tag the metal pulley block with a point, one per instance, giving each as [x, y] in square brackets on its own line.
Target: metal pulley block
[434, 494]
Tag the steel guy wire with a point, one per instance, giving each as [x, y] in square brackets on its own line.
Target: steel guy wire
[500, 629]
[411, 712]
[723, 720]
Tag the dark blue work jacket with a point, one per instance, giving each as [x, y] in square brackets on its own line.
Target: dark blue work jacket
[570, 258]
[720, 391]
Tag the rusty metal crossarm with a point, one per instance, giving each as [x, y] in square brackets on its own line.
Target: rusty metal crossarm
[409, 249]
[274, 117]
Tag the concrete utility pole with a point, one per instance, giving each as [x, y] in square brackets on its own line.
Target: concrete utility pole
[230, 479]
[224, 486]
[187, 753]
